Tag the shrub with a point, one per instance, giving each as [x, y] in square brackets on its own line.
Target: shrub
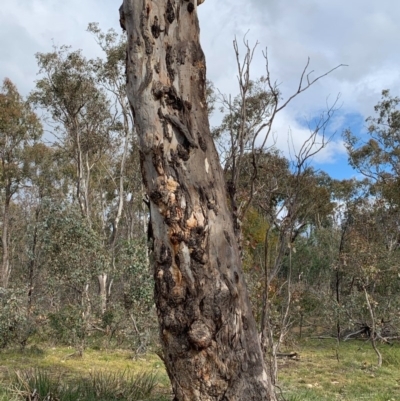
[15, 325]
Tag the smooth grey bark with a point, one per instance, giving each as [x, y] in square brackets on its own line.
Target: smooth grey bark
[6, 267]
[5, 235]
[208, 333]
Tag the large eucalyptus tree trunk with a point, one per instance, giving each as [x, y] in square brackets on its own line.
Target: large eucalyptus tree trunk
[208, 334]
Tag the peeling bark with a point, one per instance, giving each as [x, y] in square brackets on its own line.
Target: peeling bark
[208, 333]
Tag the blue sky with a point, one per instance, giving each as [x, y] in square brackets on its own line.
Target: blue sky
[362, 34]
[339, 167]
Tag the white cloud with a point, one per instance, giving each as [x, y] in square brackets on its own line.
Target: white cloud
[289, 136]
[361, 33]
[31, 26]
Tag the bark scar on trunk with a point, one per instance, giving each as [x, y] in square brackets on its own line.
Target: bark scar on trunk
[182, 128]
[200, 335]
[207, 331]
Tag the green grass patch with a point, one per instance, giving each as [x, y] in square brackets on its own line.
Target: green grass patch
[97, 375]
[63, 360]
[101, 386]
[349, 372]
[6, 395]
[324, 372]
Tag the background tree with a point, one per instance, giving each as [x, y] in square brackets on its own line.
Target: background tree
[87, 105]
[81, 115]
[248, 123]
[256, 175]
[70, 241]
[19, 126]
[110, 73]
[378, 158]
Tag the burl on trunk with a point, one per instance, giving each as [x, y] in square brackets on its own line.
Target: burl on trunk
[208, 334]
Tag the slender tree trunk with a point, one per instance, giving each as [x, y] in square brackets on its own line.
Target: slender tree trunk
[102, 279]
[5, 268]
[373, 321]
[104, 286]
[338, 280]
[32, 259]
[208, 333]
[265, 329]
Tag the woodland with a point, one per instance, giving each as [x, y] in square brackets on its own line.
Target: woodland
[79, 234]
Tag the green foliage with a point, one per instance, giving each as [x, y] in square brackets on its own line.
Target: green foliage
[134, 265]
[19, 129]
[74, 250]
[68, 90]
[77, 256]
[315, 255]
[68, 325]
[111, 70]
[15, 325]
[378, 157]
[19, 125]
[258, 107]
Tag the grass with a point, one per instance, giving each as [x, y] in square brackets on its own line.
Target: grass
[61, 360]
[100, 386]
[98, 375]
[323, 373]
[347, 373]
[5, 395]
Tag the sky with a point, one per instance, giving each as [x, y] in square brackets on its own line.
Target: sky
[363, 34]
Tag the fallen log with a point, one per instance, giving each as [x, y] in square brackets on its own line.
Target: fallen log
[293, 355]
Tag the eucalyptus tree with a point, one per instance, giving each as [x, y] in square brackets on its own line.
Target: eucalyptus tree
[375, 233]
[123, 175]
[370, 284]
[85, 127]
[79, 113]
[379, 156]
[19, 127]
[376, 155]
[209, 337]
[44, 166]
[76, 256]
[291, 201]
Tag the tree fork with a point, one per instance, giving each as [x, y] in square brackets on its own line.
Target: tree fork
[208, 333]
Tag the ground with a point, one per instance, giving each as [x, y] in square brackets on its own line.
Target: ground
[349, 372]
[323, 372]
